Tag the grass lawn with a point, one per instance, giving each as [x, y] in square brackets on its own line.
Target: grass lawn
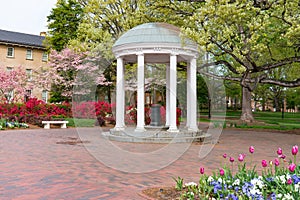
[80, 122]
[263, 120]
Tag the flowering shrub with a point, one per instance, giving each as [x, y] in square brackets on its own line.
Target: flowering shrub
[131, 115]
[91, 109]
[34, 107]
[279, 179]
[34, 111]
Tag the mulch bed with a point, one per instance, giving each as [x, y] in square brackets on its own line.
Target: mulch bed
[161, 193]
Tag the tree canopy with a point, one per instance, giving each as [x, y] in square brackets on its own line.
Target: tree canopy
[63, 23]
[249, 39]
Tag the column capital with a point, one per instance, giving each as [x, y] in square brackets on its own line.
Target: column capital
[139, 51]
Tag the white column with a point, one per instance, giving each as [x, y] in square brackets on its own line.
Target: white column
[173, 93]
[193, 125]
[188, 95]
[167, 95]
[120, 96]
[141, 94]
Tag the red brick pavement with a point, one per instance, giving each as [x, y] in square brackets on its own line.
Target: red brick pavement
[37, 164]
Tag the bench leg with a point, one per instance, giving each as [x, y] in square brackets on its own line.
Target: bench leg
[64, 125]
[47, 126]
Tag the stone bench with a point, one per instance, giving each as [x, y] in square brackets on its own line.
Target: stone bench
[47, 124]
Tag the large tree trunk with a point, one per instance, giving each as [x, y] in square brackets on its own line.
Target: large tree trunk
[247, 114]
[277, 104]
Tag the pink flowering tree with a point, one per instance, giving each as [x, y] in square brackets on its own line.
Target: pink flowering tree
[13, 84]
[72, 73]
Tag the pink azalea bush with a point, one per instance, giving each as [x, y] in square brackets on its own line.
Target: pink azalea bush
[279, 179]
[34, 111]
[131, 115]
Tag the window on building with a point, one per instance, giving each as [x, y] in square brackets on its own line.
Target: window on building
[45, 96]
[9, 96]
[29, 74]
[27, 95]
[45, 57]
[29, 54]
[10, 52]
[9, 69]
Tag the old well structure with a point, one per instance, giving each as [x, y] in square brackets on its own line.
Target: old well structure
[156, 43]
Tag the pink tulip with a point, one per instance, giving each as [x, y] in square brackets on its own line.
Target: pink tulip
[292, 167]
[224, 155]
[251, 149]
[222, 172]
[231, 159]
[295, 150]
[282, 156]
[276, 162]
[241, 157]
[201, 170]
[264, 163]
[279, 151]
[289, 181]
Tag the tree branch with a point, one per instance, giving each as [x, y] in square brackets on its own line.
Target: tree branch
[220, 62]
[295, 83]
[228, 52]
[279, 63]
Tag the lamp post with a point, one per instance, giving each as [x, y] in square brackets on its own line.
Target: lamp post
[282, 108]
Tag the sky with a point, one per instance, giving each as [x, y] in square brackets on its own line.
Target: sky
[25, 16]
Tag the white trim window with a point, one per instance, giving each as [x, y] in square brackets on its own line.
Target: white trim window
[9, 69]
[45, 56]
[10, 96]
[29, 54]
[10, 52]
[45, 96]
[29, 74]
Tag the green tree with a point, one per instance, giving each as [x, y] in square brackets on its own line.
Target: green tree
[63, 23]
[249, 38]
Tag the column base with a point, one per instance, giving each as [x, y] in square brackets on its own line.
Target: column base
[173, 130]
[195, 128]
[139, 129]
[118, 128]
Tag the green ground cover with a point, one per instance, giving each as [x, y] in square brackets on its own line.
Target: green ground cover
[263, 120]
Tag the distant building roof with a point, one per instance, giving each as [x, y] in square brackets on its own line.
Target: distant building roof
[23, 39]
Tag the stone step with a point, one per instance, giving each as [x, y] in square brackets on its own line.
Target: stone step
[158, 137]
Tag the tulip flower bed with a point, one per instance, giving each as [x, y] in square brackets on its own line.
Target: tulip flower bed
[279, 179]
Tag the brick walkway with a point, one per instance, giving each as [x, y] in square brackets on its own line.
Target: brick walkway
[42, 164]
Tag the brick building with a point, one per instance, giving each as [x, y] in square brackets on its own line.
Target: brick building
[25, 50]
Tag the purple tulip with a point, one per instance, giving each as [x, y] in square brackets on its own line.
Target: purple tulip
[201, 170]
[282, 156]
[222, 172]
[276, 162]
[289, 181]
[231, 159]
[264, 163]
[292, 167]
[251, 149]
[224, 155]
[279, 151]
[295, 150]
[241, 157]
